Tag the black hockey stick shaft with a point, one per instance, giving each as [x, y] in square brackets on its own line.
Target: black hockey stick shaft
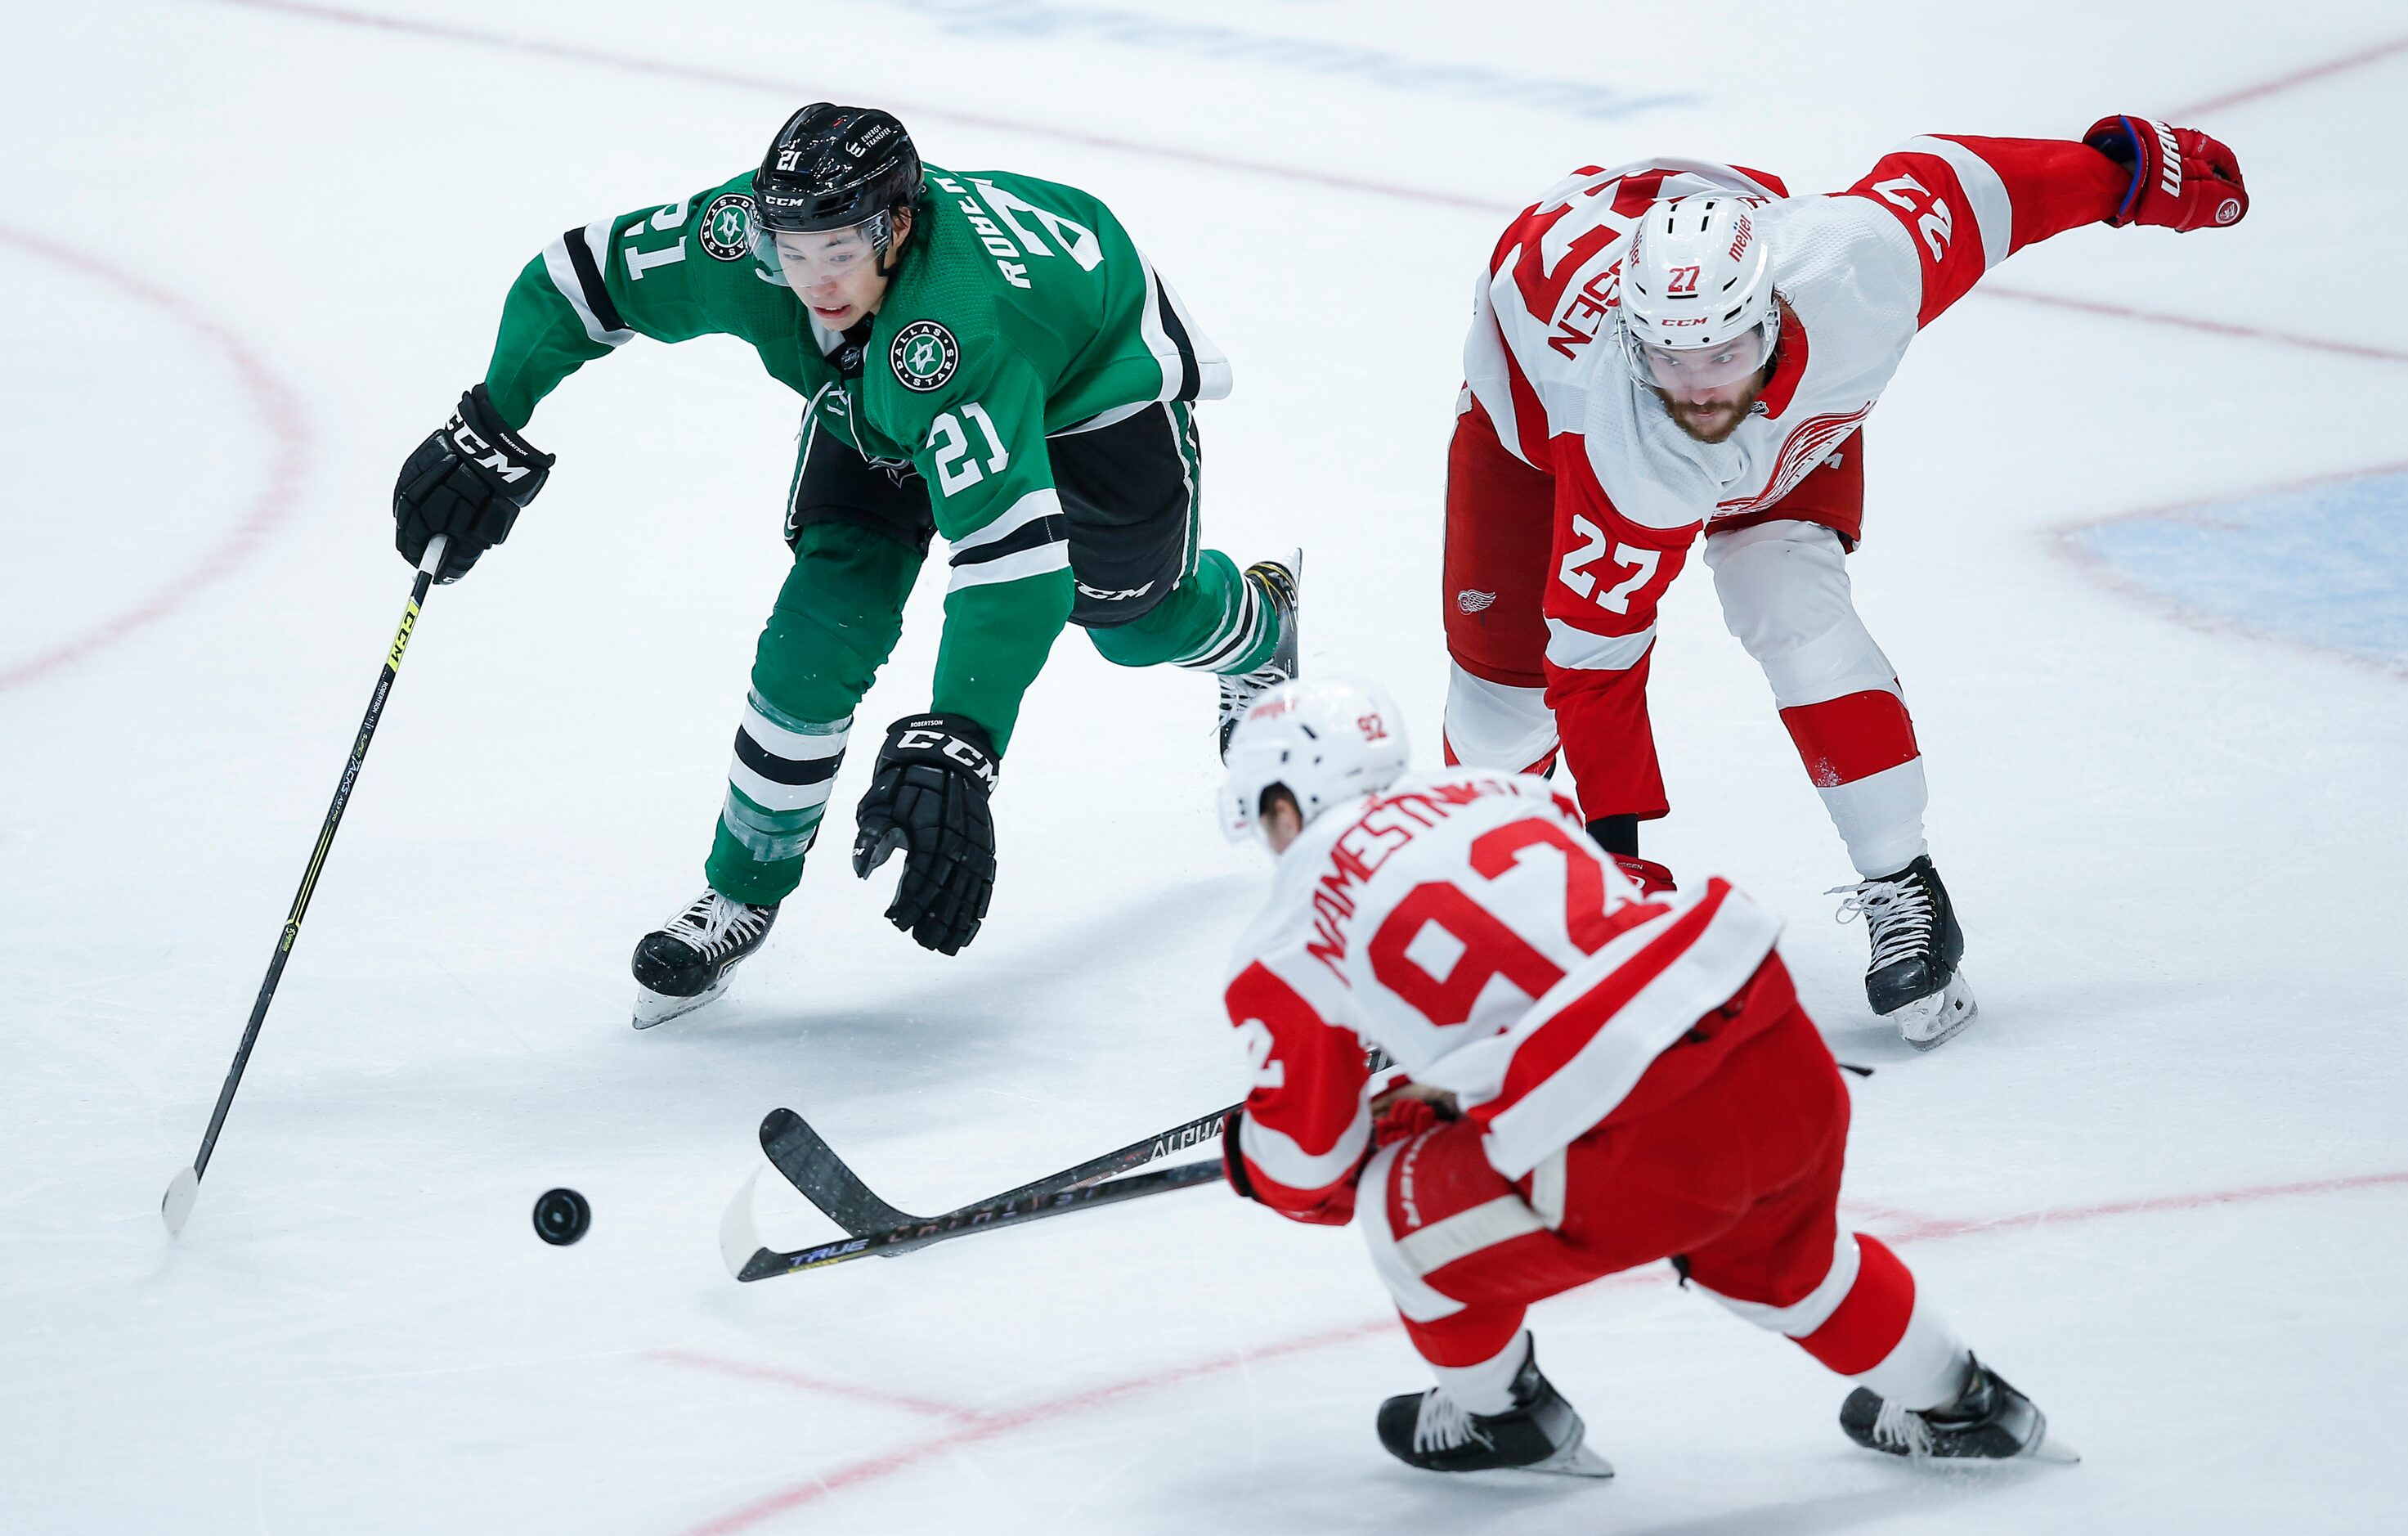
[825, 1179]
[813, 1167]
[182, 1191]
[767, 1262]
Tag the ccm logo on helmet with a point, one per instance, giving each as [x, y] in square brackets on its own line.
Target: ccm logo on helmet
[1674, 325]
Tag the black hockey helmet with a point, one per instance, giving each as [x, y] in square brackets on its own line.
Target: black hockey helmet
[833, 167]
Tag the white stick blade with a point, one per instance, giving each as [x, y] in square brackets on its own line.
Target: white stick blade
[739, 1241]
[176, 1206]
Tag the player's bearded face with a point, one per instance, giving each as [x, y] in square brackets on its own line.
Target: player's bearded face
[1711, 415]
[1708, 391]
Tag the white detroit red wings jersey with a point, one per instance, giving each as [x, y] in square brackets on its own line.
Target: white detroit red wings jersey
[1463, 922]
[1860, 271]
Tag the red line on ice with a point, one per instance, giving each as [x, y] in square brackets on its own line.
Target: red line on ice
[1900, 1226]
[2296, 78]
[272, 506]
[576, 53]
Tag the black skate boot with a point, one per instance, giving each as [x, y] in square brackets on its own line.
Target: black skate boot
[1990, 1421]
[684, 964]
[1542, 1433]
[1278, 582]
[1917, 944]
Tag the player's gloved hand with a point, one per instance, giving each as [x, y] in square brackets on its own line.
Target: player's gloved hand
[2182, 180]
[1651, 878]
[929, 798]
[469, 479]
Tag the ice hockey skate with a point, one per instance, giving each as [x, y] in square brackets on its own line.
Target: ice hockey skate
[1990, 1421]
[1280, 584]
[1913, 978]
[1541, 1433]
[685, 963]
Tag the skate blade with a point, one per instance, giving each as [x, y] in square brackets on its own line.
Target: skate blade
[1572, 1461]
[739, 1240]
[2051, 1449]
[653, 1008]
[1930, 1023]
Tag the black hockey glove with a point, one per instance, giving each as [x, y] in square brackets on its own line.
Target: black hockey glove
[469, 479]
[929, 798]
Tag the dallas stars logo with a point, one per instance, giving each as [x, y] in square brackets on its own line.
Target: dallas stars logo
[726, 226]
[924, 355]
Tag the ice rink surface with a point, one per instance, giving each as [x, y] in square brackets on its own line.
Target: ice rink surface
[251, 253]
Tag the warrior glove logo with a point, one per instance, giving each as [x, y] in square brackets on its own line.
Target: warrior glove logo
[924, 355]
[726, 225]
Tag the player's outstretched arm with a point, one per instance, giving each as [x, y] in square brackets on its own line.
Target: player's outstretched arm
[666, 272]
[1967, 203]
[983, 457]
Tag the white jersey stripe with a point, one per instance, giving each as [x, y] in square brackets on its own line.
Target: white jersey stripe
[563, 273]
[1584, 1090]
[1277, 1153]
[1041, 502]
[1578, 651]
[1811, 1311]
[1466, 1233]
[1012, 567]
[1993, 211]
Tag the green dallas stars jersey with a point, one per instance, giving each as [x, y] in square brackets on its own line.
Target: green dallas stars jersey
[1020, 308]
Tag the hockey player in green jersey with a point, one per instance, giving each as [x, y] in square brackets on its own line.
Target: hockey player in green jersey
[984, 356]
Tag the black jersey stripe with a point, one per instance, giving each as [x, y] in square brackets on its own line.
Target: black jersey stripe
[1191, 378]
[589, 278]
[785, 770]
[1036, 533]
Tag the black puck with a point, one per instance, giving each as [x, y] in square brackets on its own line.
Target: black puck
[562, 1216]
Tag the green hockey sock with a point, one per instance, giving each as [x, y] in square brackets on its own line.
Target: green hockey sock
[1215, 621]
[836, 620]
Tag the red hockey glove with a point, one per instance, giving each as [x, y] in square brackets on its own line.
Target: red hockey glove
[2182, 180]
[1651, 878]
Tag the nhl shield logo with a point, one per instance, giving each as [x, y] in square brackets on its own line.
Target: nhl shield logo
[925, 356]
[727, 227]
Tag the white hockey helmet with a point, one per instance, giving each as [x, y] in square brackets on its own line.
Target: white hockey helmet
[1698, 283]
[1324, 739]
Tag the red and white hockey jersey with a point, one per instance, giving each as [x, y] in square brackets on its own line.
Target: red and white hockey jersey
[1860, 272]
[1463, 922]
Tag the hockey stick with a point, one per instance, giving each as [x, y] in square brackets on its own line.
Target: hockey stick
[825, 1179]
[176, 1206]
[740, 1245]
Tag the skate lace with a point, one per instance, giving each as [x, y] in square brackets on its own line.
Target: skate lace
[713, 924]
[1896, 913]
[1902, 1428]
[1444, 1424]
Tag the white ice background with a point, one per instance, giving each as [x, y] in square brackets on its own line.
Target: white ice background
[249, 252]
